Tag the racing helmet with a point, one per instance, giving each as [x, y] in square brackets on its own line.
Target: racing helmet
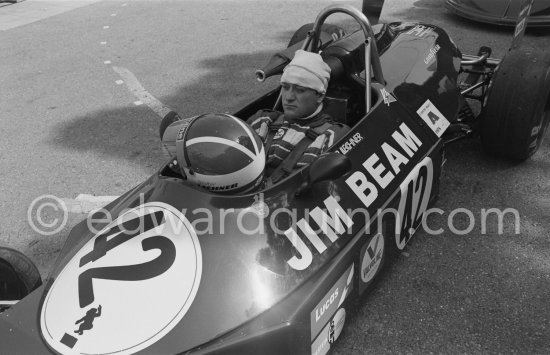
[220, 152]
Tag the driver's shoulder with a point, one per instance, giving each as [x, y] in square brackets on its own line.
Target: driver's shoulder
[273, 115]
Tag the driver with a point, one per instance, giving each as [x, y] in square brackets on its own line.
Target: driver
[295, 138]
[291, 139]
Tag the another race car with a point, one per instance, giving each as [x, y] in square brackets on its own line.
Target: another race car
[500, 12]
[279, 270]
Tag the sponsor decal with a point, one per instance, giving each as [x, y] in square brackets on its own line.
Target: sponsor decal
[127, 287]
[382, 167]
[521, 23]
[420, 31]
[184, 125]
[211, 187]
[372, 258]
[329, 334]
[415, 194]
[431, 54]
[380, 170]
[279, 134]
[331, 301]
[331, 224]
[388, 98]
[519, 27]
[433, 118]
[351, 143]
[522, 17]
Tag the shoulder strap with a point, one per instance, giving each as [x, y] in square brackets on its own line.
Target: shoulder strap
[287, 166]
[273, 128]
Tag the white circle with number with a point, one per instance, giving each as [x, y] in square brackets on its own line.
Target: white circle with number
[127, 286]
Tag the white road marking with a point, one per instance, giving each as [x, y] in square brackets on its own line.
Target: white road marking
[113, 15]
[103, 43]
[105, 27]
[32, 11]
[143, 96]
[119, 82]
[107, 62]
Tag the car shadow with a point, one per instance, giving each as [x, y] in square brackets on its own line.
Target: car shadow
[131, 132]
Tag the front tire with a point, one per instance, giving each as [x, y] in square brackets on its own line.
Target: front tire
[516, 112]
[18, 275]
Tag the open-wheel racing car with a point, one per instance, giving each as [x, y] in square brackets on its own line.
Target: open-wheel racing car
[280, 269]
[500, 12]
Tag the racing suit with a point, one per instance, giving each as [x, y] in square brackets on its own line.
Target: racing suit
[292, 144]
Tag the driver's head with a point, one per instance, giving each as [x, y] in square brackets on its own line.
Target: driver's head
[303, 84]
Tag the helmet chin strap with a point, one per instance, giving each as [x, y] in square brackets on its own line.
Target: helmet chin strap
[316, 112]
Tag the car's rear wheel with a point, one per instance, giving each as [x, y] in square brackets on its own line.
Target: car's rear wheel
[516, 111]
[18, 275]
[329, 33]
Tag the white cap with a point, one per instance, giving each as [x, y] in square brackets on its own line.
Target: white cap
[307, 69]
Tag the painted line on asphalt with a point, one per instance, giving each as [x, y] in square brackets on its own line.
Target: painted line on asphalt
[26, 12]
[143, 96]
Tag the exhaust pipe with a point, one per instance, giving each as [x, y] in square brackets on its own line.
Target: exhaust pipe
[275, 66]
[277, 63]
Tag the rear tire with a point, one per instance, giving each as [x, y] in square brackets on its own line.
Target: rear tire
[516, 111]
[18, 275]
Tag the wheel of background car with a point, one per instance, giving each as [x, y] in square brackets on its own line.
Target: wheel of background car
[516, 111]
[18, 275]
[332, 30]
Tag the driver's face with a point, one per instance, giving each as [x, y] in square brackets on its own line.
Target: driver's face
[299, 101]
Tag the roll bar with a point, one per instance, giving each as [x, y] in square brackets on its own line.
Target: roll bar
[371, 50]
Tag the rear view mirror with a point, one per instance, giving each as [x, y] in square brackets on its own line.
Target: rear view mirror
[330, 166]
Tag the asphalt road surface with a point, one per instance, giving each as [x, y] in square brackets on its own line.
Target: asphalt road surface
[81, 92]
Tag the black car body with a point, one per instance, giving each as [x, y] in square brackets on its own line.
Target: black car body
[156, 280]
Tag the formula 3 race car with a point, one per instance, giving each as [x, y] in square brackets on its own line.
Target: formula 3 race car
[500, 12]
[279, 270]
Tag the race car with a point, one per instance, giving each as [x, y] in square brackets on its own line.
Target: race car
[500, 12]
[280, 269]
